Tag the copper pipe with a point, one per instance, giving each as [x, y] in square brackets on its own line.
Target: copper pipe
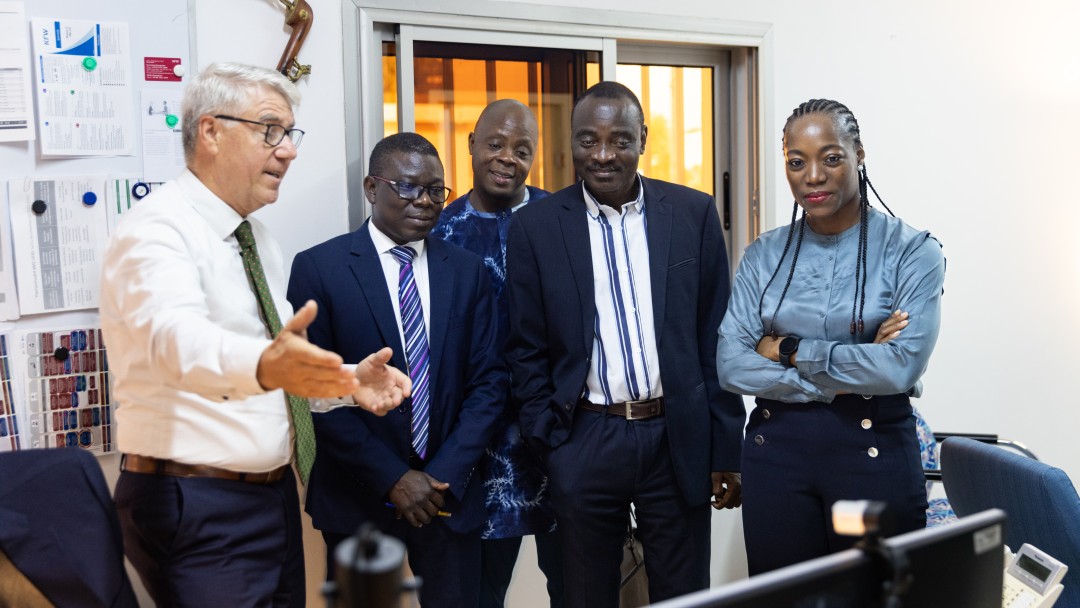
[298, 16]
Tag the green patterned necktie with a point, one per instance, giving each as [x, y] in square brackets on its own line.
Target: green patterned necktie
[299, 410]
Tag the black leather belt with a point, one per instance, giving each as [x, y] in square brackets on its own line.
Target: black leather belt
[631, 410]
[158, 466]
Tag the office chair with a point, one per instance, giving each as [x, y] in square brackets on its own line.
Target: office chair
[938, 510]
[59, 528]
[1040, 500]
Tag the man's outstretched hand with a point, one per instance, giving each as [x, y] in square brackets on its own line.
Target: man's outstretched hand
[382, 387]
[300, 367]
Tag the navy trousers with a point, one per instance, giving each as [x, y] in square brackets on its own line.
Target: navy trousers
[800, 458]
[447, 563]
[607, 464]
[498, 556]
[213, 542]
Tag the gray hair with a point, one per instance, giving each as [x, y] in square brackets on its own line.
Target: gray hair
[224, 88]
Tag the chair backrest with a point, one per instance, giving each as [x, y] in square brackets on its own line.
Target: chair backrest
[1040, 500]
[59, 528]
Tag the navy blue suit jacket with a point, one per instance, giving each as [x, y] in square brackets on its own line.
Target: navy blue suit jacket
[359, 455]
[552, 309]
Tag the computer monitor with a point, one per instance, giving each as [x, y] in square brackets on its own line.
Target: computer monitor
[959, 565]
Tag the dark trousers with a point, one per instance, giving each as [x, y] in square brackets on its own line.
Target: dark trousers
[447, 563]
[608, 463]
[497, 558]
[213, 542]
[800, 458]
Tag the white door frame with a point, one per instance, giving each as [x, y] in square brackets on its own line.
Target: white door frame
[367, 23]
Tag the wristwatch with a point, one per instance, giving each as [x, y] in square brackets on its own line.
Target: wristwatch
[788, 346]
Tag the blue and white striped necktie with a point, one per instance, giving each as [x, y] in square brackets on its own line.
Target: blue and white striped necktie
[416, 347]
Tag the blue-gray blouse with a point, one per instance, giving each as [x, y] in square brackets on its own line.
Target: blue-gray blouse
[905, 271]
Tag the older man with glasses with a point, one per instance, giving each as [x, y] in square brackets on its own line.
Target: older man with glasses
[210, 370]
[410, 473]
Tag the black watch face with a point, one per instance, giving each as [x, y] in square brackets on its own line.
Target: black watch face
[788, 345]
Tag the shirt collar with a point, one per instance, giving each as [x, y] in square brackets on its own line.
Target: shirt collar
[638, 204]
[383, 243]
[523, 202]
[222, 219]
[469, 206]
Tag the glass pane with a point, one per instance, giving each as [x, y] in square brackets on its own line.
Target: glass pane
[678, 107]
[389, 69]
[454, 82]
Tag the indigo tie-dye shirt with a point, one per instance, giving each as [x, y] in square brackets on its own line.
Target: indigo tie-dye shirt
[516, 488]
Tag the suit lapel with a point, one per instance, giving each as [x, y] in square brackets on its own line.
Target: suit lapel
[575, 232]
[367, 270]
[441, 287]
[658, 217]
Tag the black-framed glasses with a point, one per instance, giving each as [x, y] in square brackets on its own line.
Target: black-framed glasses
[274, 133]
[411, 192]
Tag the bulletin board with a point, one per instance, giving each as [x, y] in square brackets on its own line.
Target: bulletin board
[156, 29]
[54, 377]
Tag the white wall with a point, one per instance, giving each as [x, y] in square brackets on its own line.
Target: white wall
[968, 112]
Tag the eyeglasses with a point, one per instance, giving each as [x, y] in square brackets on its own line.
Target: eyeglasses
[411, 192]
[275, 134]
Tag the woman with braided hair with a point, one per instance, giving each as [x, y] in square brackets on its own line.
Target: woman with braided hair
[831, 324]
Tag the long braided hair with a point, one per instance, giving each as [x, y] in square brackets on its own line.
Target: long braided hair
[845, 121]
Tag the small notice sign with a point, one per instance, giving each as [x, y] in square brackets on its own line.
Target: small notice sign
[162, 68]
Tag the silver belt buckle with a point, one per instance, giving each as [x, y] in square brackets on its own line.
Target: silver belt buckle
[630, 408]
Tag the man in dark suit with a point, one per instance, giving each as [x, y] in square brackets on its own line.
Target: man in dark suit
[617, 286]
[432, 302]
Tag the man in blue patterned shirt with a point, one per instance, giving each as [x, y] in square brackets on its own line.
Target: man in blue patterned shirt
[503, 145]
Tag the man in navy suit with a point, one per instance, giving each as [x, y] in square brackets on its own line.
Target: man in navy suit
[617, 285]
[410, 472]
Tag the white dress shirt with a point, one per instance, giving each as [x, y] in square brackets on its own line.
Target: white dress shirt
[391, 271]
[184, 334]
[625, 364]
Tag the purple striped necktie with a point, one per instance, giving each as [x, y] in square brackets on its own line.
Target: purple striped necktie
[416, 347]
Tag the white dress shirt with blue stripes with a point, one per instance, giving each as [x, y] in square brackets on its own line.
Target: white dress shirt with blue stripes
[625, 363]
